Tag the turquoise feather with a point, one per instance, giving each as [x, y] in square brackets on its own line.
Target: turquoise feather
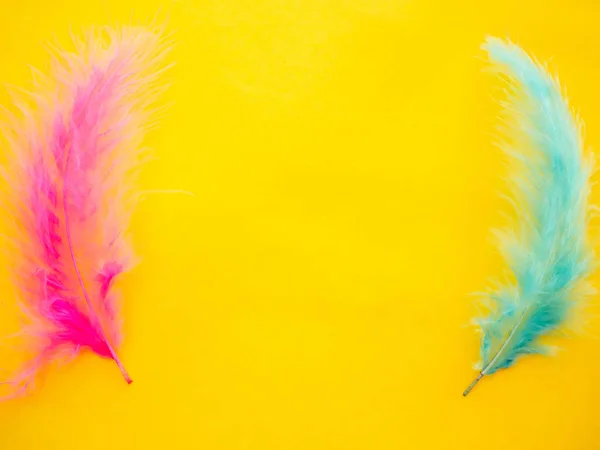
[547, 250]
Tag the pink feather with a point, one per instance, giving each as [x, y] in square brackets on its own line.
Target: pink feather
[70, 179]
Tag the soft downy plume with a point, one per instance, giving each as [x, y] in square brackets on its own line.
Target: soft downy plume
[548, 249]
[73, 151]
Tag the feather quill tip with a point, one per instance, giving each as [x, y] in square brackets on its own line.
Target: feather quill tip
[472, 385]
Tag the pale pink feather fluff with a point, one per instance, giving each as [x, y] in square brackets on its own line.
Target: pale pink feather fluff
[73, 156]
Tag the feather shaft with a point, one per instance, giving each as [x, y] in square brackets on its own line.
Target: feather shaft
[91, 311]
[497, 356]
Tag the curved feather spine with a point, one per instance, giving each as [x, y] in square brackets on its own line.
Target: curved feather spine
[548, 250]
[497, 356]
[93, 315]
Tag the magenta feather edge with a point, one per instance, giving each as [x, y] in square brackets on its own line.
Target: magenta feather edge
[73, 152]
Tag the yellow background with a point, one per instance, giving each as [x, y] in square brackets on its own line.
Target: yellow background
[314, 294]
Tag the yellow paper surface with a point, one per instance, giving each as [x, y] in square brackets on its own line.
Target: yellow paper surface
[314, 293]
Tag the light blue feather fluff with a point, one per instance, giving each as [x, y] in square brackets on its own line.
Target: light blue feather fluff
[547, 250]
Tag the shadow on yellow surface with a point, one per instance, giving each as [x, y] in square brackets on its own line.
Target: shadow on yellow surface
[314, 294]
